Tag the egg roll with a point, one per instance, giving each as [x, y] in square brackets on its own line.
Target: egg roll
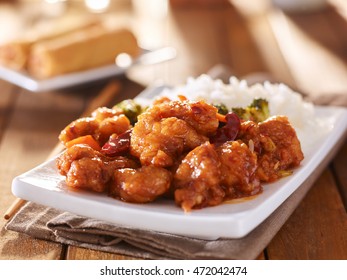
[15, 54]
[80, 51]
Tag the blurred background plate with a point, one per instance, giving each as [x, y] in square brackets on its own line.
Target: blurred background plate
[22, 79]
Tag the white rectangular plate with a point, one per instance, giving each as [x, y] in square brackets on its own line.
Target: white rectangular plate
[44, 185]
[24, 80]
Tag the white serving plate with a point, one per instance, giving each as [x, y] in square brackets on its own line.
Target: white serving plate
[45, 186]
[24, 80]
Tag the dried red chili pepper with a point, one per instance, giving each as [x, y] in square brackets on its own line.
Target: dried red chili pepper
[117, 144]
[229, 131]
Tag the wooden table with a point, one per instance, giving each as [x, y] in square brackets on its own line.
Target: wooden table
[306, 51]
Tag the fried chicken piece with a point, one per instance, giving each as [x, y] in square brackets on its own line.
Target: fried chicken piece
[197, 179]
[238, 169]
[103, 113]
[166, 141]
[276, 144]
[86, 168]
[198, 114]
[102, 123]
[208, 175]
[110, 126]
[250, 135]
[88, 173]
[76, 152]
[160, 100]
[77, 128]
[140, 185]
[281, 149]
[167, 129]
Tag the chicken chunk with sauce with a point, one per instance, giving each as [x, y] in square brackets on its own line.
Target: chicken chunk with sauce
[140, 185]
[102, 123]
[167, 129]
[208, 175]
[283, 149]
[238, 169]
[166, 141]
[197, 179]
[276, 144]
[86, 168]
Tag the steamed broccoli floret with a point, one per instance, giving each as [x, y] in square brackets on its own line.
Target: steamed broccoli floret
[222, 109]
[131, 109]
[257, 111]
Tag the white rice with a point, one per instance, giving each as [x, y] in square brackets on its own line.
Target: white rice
[282, 101]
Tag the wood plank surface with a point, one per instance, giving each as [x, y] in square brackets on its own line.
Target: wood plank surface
[339, 167]
[32, 119]
[77, 253]
[15, 245]
[317, 229]
[257, 22]
[315, 68]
